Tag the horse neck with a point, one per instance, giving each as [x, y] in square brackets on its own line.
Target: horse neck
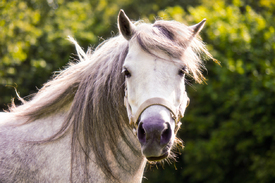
[33, 131]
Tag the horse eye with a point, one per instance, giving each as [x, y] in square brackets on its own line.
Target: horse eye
[182, 71]
[126, 73]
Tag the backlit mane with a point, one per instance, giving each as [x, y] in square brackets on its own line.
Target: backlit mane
[92, 90]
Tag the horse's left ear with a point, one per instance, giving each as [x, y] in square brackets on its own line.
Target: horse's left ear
[198, 27]
[125, 26]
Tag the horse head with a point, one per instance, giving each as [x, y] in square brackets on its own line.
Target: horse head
[155, 95]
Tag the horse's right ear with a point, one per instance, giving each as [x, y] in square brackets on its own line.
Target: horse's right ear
[125, 26]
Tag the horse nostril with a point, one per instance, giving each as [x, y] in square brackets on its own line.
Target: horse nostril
[141, 133]
[166, 134]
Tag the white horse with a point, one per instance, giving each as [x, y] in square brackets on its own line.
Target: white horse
[103, 117]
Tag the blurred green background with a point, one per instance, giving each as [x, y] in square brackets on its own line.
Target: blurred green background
[229, 127]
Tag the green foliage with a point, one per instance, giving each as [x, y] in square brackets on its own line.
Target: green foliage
[18, 33]
[228, 128]
[33, 39]
[241, 140]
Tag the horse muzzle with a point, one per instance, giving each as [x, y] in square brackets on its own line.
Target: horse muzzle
[156, 137]
[155, 123]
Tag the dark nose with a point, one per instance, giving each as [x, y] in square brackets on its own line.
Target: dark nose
[154, 135]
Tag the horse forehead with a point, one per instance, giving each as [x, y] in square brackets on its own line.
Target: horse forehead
[139, 58]
[157, 74]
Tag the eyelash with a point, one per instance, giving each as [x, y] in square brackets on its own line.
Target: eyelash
[126, 73]
[182, 71]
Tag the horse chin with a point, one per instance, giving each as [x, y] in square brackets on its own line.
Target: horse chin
[159, 158]
[163, 155]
